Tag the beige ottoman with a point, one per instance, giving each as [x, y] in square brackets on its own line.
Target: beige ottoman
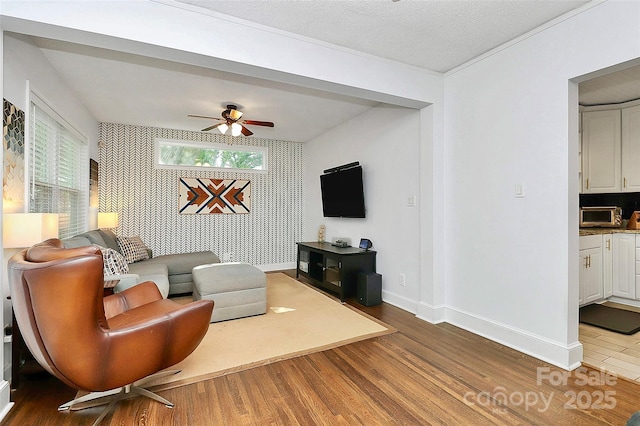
[238, 289]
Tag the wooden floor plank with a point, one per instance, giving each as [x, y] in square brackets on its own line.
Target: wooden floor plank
[422, 374]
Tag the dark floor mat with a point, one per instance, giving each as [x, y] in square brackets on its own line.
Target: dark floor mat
[612, 319]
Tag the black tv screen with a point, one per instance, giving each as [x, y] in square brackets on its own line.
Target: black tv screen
[343, 193]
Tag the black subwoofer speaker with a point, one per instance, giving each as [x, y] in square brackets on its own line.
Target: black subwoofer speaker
[369, 289]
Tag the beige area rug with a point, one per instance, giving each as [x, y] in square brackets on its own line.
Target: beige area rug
[299, 320]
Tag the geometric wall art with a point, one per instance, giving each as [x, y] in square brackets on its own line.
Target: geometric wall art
[13, 142]
[214, 196]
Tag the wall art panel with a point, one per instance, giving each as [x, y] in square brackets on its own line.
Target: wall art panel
[214, 196]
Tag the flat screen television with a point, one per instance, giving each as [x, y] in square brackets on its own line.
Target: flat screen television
[343, 193]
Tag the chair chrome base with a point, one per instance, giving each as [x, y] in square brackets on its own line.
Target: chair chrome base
[113, 396]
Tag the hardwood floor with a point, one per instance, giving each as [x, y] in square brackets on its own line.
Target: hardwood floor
[422, 374]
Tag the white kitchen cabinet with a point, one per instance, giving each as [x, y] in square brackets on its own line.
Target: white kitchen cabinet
[624, 265]
[630, 135]
[607, 265]
[601, 151]
[591, 269]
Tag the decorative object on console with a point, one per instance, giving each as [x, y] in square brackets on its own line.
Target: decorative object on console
[21, 230]
[321, 234]
[209, 196]
[132, 248]
[341, 242]
[365, 244]
[107, 220]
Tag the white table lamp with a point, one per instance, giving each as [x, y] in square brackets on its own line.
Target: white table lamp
[107, 220]
[20, 230]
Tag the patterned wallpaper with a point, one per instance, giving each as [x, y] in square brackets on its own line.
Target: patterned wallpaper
[14, 155]
[147, 198]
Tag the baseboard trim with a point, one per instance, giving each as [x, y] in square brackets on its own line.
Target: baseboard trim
[5, 398]
[568, 357]
[277, 267]
[565, 356]
[399, 301]
[432, 314]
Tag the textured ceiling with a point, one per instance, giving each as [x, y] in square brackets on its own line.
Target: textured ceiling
[130, 89]
[431, 34]
[435, 35]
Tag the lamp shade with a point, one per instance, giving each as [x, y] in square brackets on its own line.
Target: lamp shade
[236, 129]
[107, 220]
[223, 128]
[21, 230]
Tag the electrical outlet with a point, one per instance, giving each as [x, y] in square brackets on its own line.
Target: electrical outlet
[403, 281]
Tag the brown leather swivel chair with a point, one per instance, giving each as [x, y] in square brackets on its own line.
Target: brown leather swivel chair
[96, 344]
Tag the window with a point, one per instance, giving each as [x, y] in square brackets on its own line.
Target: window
[58, 170]
[174, 154]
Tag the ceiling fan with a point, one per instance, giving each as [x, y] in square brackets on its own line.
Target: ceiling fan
[231, 119]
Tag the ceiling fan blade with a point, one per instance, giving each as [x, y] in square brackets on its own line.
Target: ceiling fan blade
[258, 123]
[211, 127]
[203, 116]
[246, 131]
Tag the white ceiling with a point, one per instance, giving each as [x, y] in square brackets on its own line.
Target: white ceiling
[435, 35]
[129, 89]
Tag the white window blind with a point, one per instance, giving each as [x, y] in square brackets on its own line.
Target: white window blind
[59, 175]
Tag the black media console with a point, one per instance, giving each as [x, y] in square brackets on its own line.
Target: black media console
[334, 269]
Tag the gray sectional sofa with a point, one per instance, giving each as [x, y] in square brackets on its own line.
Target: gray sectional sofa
[171, 272]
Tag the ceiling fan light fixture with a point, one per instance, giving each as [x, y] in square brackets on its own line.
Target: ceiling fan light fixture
[235, 114]
[236, 129]
[231, 118]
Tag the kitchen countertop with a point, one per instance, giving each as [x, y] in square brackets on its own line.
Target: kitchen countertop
[600, 231]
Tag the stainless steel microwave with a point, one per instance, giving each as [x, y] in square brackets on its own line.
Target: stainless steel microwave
[605, 217]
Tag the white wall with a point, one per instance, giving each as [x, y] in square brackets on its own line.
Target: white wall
[511, 118]
[23, 62]
[385, 140]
